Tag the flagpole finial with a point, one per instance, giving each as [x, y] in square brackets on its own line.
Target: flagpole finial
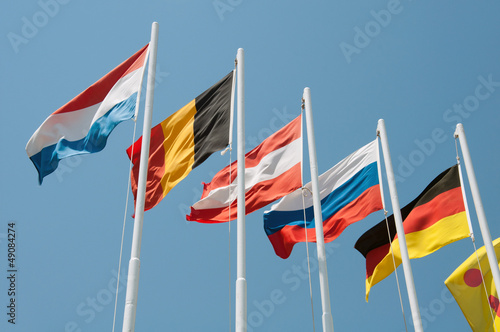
[380, 125]
[459, 128]
[154, 26]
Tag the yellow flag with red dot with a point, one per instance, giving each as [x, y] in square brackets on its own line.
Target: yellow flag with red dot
[479, 304]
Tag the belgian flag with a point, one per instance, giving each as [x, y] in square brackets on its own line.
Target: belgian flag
[184, 140]
[432, 220]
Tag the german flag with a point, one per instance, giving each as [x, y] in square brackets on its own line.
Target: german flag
[434, 219]
[184, 140]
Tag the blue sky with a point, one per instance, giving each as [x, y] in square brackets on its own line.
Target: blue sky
[421, 66]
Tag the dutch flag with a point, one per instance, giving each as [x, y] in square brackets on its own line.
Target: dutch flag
[83, 124]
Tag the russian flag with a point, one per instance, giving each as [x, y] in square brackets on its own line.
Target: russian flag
[349, 192]
[85, 122]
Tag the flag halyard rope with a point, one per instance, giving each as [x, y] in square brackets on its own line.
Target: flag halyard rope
[304, 193]
[124, 224]
[395, 269]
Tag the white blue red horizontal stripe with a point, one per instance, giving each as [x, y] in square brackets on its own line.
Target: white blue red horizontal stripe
[84, 123]
[349, 192]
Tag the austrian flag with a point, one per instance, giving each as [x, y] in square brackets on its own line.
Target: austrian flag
[272, 170]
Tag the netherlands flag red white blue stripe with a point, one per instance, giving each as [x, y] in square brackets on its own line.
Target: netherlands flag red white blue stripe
[272, 170]
[349, 192]
[85, 122]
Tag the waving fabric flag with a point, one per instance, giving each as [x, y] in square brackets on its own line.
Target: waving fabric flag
[465, 284]
[272, 170]
[349, 192]
[432, 220]
[84, 123]
[184, 140]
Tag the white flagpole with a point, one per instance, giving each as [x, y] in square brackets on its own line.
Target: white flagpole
[241, 282]
[134, 264]
[138, 102]
[398, 220]
[478, 204]
[318, 217]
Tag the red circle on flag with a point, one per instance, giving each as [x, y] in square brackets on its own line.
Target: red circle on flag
[494, 304]
[472, 277]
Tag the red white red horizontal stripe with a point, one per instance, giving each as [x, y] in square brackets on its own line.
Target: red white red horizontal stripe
[272, 170]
